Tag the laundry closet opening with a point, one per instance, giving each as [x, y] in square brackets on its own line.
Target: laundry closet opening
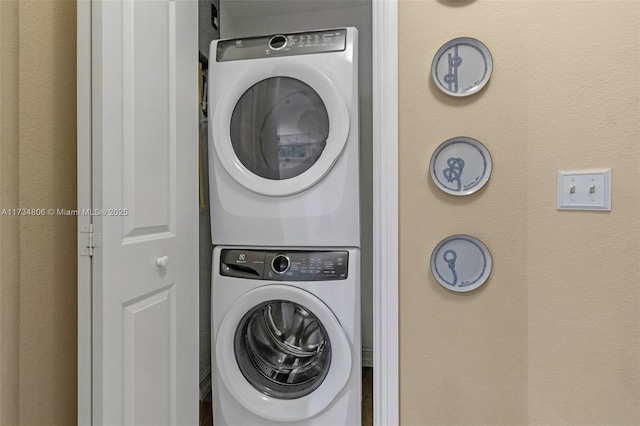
[241, 19]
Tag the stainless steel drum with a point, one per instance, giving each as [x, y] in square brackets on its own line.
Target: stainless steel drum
[282, 349]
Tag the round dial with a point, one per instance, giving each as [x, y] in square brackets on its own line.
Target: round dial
[280, 264]
[277, 42]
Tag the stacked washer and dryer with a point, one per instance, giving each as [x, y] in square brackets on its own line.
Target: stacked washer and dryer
[285, 215]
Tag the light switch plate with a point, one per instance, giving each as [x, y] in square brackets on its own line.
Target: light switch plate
[584, 190]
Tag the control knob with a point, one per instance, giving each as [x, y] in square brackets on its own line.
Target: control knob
[277, 42]
[280, 263]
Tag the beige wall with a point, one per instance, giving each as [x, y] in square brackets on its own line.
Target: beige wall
[553, 337]
[37, 254]
[9, 226]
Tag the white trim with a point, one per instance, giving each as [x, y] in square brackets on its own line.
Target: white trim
[385, 213]
[83, 56]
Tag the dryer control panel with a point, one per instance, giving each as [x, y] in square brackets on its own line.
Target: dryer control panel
[295, 265]
[301, 43]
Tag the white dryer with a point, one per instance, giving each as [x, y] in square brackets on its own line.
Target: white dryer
[286, 327]
[283, 120]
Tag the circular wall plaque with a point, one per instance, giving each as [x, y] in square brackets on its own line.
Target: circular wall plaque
[462, 66]
[461, 263]
[460, 166]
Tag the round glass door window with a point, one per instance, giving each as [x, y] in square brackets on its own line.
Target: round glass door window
[279, 128]
[282, 349]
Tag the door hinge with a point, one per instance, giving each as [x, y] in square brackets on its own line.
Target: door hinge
[90, 240]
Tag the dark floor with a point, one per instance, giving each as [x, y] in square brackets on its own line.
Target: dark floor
[367, 396]
[206, 418]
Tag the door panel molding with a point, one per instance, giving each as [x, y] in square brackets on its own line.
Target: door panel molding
[140, 319]
[149, 127]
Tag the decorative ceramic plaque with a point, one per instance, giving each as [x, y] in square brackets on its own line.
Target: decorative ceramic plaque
[460, 166]
[462, 66]
[461, 263]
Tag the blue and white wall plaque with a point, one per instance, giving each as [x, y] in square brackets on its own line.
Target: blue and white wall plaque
[460, 166]
[462, 66]
[461, 263]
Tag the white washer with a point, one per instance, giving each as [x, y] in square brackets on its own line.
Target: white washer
[283, 140]
[286, 327]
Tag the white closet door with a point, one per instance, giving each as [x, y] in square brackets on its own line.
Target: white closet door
[144, 117]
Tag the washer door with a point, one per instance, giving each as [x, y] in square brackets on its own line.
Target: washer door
[280, 128]
[282, 353]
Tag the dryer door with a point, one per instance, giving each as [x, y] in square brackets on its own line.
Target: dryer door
[282, 353]
[280, 127]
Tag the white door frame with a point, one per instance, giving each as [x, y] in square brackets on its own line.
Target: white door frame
[385, 211]
[84, 161]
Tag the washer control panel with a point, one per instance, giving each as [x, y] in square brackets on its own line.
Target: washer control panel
[289, 44]
[296, 265]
